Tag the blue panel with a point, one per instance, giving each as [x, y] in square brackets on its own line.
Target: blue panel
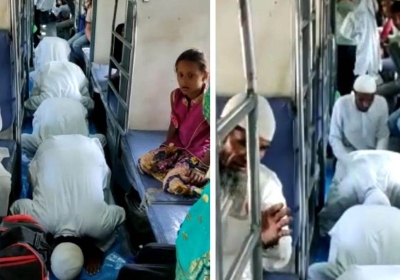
[280, 276]
[166, 220]
[7, 95]
[99, 72]
[281, 156]
[82, 21]
[135, 144]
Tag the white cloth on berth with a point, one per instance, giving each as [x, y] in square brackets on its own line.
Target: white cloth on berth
[363, 177]
[51, 49]
[70, 180]
[353, 130]
[59, 79]
[234, 230]
[364, 235]
[44, 5]
[57, 116]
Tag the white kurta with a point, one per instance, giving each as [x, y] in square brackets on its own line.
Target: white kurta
[69, 175]
[360, 26]
[372, 272]
[44, 5]
[57, 116]
[59, 79]
[371, 177]
[362, 236]
[51, 49]
[235, 230]
[353, 130]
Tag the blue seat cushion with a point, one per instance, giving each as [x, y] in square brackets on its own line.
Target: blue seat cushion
[99, 71]
[166, 220]
[7, 96]
[280, 276]
[135, 144]
[281, 156]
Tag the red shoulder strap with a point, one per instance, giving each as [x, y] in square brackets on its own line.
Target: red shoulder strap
[19, 218]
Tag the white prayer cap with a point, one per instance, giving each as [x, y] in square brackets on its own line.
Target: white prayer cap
[265, 121]
[67, 261]
[365, 84]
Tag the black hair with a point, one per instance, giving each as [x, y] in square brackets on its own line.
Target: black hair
[395, 8]
[193, 55]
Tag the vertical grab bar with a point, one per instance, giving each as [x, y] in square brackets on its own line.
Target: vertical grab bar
[300, 137]
[253, 185]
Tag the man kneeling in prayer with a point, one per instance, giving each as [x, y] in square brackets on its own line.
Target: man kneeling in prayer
[51, 49]
[59, 79]
[365, 235]
[70, 180]
[361, 177]
[57, 116]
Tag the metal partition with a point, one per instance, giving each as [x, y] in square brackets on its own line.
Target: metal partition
[314, 94]
[251, 248]
[19, 60]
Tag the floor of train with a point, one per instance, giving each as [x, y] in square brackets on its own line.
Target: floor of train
[120, 253]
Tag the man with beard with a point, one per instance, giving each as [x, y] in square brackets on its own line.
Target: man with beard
[359, 120]
[276, 238]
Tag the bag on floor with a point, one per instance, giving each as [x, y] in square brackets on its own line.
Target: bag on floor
[24, 251]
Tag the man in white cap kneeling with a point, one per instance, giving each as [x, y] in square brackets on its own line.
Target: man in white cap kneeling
[359, 120]
[275, 215]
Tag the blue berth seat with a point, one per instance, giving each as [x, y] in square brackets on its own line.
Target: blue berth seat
[281, 158]
[166, 220]
[135, 144]
[280, 276]
[7, 100]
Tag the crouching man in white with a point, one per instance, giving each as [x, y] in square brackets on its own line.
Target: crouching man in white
[57, 116]
[59, 79]
[70, 180]
[364, 235]
[276, 235]
[362, 177]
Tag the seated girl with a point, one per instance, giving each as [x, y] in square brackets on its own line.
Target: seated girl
[182, 161]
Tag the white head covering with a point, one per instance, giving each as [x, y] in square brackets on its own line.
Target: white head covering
[266, 120]
[365, 84]
[67, 261]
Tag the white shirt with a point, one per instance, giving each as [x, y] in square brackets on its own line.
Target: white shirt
[371, 272]
[353, 130]
[59, 79]
[69, 174]
[44, 5]
[51, 49]
[364, 235]
[360, 25]
[235, 230]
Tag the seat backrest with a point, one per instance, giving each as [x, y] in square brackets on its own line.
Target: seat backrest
[280, 158]
[7, 94]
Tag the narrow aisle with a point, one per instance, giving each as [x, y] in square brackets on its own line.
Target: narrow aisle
[119, 253]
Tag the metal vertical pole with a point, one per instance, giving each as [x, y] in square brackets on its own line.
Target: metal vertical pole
[15, 48]
[253, 156]
[300, 134]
